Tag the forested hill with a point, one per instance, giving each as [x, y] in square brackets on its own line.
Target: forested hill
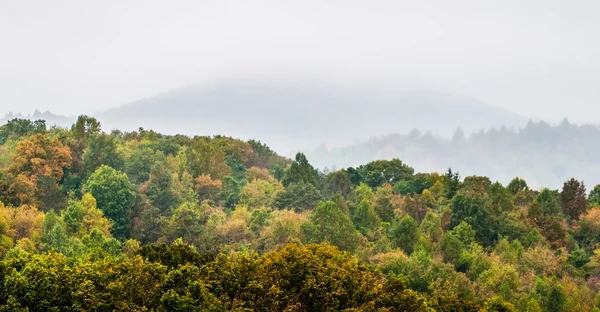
[141, 221]
[49, 118]
[292, 114]
[544, 155]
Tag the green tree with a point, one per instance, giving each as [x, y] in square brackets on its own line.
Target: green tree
[517, 185]
[365, 218]
[300, 171]
[404, 233]
[85, 127]
[594, 197]
[115, 196]
[533, 306]
[17, 128]
[101, 150]
[451, 183]
[549, 202]
[81, 217]
[298, 196]
[415, 185]
[473, 210]
[500, 199]
[383, 201]
[187, 223]
[204, 158]
[331, 225]
[578, 258]
[452, 247]
[337, 182]
[379, 172]
[161, 185]
[139, 163]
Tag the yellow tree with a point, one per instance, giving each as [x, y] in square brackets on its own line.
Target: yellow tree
[38, 157]
[81, 217]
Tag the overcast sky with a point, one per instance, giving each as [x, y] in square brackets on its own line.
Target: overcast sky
[537, 58]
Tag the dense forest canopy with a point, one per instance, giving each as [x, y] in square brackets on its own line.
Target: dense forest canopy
[543, 154]
[141, 221]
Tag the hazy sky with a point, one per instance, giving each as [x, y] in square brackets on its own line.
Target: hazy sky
[538, 58]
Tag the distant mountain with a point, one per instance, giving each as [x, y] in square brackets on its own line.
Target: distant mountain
[292, 114]
[50, 118]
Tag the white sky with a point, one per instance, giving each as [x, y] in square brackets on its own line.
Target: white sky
[539, 58]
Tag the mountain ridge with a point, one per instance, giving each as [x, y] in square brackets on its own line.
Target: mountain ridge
[292, 114]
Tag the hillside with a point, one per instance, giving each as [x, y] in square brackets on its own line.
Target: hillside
[50, 118]
[291, 114]
[543, 154]
[141, 221]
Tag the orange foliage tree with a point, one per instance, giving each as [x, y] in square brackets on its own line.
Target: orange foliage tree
[34, 158]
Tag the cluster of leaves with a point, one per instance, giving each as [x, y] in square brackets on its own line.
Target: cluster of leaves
[177, 278]
[97, 213]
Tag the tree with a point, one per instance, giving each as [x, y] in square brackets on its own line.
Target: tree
[260, 193]
[81, 217]
[173, 255]
[379, 172]
[207, 188]
[500, 199]
[300, 171]
[386, 203]
[139, 163]
[85, 126]
[594, 197]
[365, 218]
[473, 210]
[337, 182]
[431, 226]
[451, 183]
[533, 306]
[115, 196]
[160, 186]
[329, 224]
[17, 128]
[101, 150]
[549, 201]
[298, 196]
[578, 258]
[476, 185]
[148, 224]
[404, 233]
[573, 199]
[37, 160]
[452, 247]
[517, 185]
[204, 158]
[187, 223]
[415, 185]
[40, 156]
[414, 207]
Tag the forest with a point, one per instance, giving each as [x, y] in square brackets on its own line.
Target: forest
[140, 221]
[544, 154]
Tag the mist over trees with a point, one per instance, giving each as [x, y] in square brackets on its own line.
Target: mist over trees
[293, 113]
[543, 154]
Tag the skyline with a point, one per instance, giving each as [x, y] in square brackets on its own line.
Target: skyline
[539, 59]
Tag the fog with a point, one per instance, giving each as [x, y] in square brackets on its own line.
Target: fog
[539, 59]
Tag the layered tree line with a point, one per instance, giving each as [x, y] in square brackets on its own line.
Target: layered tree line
[543, 154]
[139, 221]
